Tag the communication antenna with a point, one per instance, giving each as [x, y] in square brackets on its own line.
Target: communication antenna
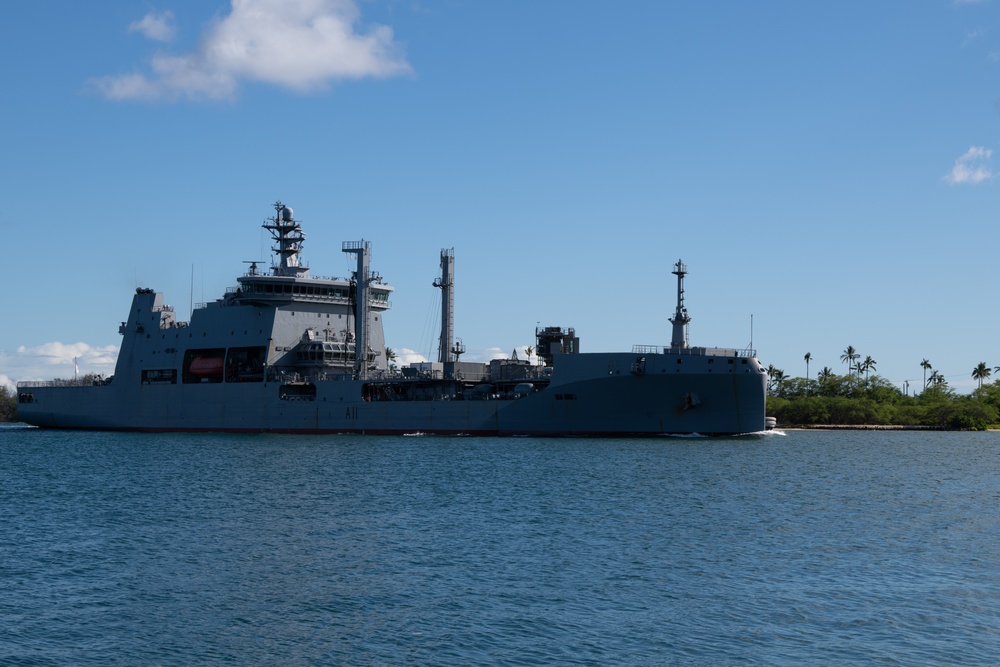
[191, 296]
[681, 318]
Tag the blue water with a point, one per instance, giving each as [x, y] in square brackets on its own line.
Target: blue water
[809, 547]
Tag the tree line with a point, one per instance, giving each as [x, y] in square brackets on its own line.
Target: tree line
[8, 405]
[861, 397]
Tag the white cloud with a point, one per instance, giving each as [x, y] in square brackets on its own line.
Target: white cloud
[972, 36]
[55, 360]
[8, 384]
[159, 27]
[972, 167]
[491, 353]
[406, 356]
[301, 45]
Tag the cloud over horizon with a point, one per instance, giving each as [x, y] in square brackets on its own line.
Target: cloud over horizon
[971, 167]
[55, 359]
[300, 45]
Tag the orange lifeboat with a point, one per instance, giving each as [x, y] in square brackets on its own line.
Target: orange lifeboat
[206, 367]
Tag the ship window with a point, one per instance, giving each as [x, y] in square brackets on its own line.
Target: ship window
[297, 392]
[159, 376]
[288, 289]
[679, 361]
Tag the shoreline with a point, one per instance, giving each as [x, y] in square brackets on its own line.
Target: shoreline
[872, 427]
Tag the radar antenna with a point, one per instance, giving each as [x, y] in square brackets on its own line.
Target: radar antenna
[287, 231]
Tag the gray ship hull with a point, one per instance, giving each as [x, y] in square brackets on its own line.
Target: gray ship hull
[616, 402]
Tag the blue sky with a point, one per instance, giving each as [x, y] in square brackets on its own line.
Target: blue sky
[830, 169]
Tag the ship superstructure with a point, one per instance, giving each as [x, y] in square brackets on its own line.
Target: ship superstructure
[285, 351]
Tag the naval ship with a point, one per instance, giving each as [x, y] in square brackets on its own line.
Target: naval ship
[288, 352]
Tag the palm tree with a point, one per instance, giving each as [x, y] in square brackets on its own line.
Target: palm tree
[936, 379]
[869, 365]
[777, 377]
[926, 365]
[848, 357]
[824, 379]
[981, 372]
[808, 358]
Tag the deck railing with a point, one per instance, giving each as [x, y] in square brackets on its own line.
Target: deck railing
[694, 351]
[86, 381]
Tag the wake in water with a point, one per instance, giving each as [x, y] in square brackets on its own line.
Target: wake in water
[772, 432]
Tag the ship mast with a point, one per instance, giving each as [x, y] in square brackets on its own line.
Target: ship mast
[447, 283]
[286, 230]
[681, 318]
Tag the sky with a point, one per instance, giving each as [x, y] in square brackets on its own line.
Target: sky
[828, 172]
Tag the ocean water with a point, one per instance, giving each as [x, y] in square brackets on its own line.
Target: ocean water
[786, 549]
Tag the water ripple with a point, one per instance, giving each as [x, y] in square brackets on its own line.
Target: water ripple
[839, 548]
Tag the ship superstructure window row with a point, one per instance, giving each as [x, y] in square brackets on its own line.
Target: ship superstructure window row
[342, 293]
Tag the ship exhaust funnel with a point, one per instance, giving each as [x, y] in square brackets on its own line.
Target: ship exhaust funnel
[363, 278]
[447, 284]
[681, 318]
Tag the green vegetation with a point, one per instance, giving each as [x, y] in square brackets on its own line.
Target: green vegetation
[8, 405]
[862, 399]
